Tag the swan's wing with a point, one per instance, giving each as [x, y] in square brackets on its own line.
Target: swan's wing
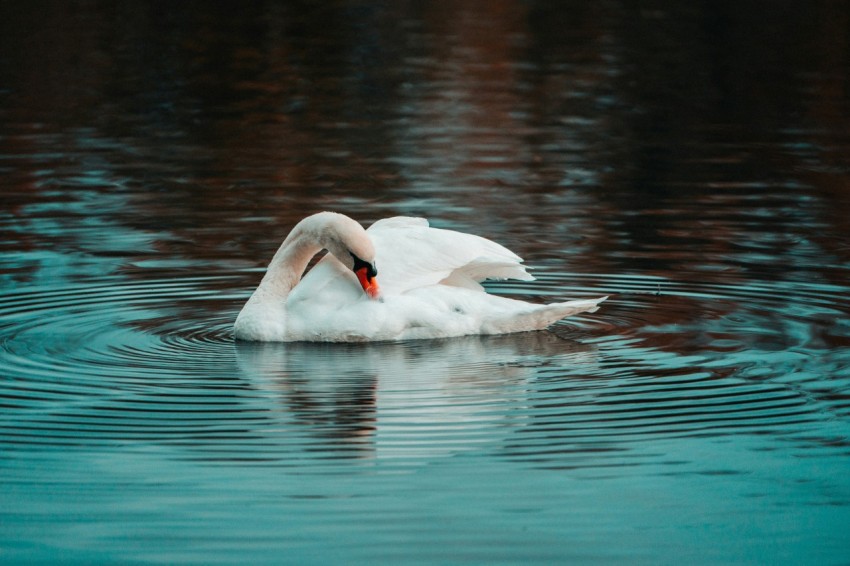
[410, 254]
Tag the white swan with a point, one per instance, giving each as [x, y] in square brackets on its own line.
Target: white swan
[429, 285]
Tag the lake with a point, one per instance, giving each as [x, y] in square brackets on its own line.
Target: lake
[689, 159]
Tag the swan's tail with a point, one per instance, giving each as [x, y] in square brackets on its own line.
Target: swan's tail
[538, 317]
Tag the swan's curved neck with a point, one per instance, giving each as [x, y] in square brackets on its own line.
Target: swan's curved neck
[287, 266]
[263, 316]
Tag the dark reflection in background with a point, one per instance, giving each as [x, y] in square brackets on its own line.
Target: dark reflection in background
[611, 125]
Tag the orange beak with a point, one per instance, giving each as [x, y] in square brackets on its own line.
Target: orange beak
[369, 284]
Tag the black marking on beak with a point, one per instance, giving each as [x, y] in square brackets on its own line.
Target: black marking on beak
[371, 270]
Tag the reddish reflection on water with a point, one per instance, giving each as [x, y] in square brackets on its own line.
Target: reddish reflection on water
[620, 135]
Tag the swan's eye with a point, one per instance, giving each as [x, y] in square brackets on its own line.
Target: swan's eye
[371, 270]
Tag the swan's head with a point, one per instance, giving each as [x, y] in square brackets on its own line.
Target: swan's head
[348, 241]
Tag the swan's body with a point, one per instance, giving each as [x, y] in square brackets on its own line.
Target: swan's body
[429, 286]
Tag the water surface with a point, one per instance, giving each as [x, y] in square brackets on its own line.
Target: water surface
[689, 159]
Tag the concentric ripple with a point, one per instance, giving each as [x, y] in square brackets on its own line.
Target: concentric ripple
[154, 361]
[100, 362]
[95, 328]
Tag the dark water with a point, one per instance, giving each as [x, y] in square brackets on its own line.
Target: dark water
[691, 159]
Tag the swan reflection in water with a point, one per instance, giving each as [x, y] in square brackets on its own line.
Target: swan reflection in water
[408, 399]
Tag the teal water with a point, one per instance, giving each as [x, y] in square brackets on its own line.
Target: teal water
[688, 159]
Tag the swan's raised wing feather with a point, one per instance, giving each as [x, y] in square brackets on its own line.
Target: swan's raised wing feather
[411, 254]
